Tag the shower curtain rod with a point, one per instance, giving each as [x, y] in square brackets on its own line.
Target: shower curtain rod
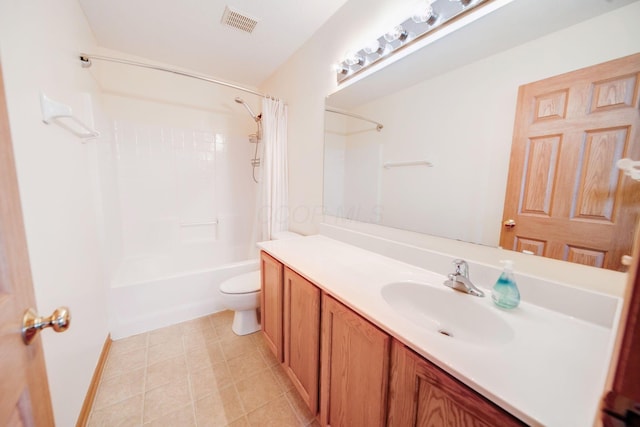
[357, 116]
[86, 58]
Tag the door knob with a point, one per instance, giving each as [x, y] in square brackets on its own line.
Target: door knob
[31, 323]
[509, 223]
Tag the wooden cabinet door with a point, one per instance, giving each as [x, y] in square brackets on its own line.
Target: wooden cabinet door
[420, 394]
[564, 192]
[354, 369]
[302, 336]
[271, 298]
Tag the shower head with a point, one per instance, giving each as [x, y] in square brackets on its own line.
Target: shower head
[241, 101]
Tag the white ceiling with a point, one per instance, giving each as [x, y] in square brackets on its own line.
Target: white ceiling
[189, 34]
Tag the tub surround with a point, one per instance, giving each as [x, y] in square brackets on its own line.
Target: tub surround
[552, 372]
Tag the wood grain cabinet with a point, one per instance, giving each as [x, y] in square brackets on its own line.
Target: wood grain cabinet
[302, 336]
[420, 394]
[354, 368]
[355, 374]
[271, 303]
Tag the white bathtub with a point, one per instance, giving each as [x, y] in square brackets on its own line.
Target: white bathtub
[148, 293]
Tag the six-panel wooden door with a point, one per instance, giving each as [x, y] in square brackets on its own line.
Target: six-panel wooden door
[564, 193]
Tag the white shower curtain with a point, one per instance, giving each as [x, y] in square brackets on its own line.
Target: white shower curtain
[274, 189]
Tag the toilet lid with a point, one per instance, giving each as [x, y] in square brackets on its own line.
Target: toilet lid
[242, 284]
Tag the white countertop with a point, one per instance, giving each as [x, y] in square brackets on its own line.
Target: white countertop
[550, 373]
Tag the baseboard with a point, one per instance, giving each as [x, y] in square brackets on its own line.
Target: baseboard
[83, 418]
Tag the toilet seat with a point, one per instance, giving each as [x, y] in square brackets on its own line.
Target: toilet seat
[243, 284]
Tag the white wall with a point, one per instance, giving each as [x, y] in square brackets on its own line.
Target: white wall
[352, 155]
[40, 41]
[335, 134]
[306, 79]
[363, 174]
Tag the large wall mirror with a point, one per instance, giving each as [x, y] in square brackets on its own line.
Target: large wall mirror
[440, 163]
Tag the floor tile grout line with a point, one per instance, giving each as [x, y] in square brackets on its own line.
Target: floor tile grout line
[100, 384]
[235, 380]
[297, 413]
[188, 373]
[144, 380]
[109, 358]
[233, 383]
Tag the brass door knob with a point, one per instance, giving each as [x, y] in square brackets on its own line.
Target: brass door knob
[509, 223]
[31, 323]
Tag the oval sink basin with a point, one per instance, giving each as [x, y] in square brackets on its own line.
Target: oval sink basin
[448, 312]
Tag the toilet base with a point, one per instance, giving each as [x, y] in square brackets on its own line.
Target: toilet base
[245, 322]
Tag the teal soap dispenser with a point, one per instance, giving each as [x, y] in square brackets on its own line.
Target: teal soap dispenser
[505, 292]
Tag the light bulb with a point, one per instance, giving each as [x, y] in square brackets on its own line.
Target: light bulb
[396, 33]
[373, 47]
[424, 14]
[352, 58]
[340, 68]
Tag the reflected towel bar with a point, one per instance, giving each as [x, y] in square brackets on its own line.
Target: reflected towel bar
[389, 165]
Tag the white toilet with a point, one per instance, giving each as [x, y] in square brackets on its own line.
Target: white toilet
[242, 295]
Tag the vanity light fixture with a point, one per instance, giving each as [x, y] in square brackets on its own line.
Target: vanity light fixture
[427, 17]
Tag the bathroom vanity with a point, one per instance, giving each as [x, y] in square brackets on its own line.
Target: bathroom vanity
[372, 341]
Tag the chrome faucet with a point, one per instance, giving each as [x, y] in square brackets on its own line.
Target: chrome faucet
[460, 279]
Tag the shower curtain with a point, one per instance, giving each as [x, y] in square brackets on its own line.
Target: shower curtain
[274, 189]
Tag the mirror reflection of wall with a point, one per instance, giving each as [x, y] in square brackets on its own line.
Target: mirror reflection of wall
[353, 155]
[462, 122]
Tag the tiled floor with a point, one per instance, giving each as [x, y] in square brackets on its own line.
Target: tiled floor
[197, 373]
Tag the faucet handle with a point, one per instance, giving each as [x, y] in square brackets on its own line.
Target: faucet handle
[462, 268]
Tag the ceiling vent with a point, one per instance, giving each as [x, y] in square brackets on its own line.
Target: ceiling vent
[240, 21]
